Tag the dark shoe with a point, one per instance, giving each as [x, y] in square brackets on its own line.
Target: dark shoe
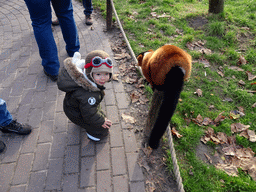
[15, 127]
[88, 20]
[52, 77]
[55, 22]
[2, 146]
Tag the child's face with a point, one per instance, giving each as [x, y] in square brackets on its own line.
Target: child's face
[101, 78]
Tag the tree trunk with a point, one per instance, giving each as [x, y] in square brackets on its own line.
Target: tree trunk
[216, 6]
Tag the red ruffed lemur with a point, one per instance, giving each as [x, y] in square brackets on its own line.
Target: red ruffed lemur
[165, 69]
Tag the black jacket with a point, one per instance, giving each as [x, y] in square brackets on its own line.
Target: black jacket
[82, 99]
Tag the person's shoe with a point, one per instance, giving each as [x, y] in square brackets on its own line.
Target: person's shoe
[52, 77]
[88, 19]
[92, 138]
[16, 127]
[55, 22]
[2, 146]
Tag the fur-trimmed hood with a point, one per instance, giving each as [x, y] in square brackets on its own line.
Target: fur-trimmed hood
[72, 77]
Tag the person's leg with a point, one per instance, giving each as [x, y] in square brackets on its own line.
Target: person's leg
[5, 115]
[40, 14]
[64, 12]
[88, 8]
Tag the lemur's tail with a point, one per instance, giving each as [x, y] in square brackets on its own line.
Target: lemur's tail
[172, 88]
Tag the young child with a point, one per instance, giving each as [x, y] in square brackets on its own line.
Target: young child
[83, 81]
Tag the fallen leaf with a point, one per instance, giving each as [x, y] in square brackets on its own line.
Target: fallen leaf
[242, 60]
[135, 96]
[208, 158]
[228, 99]
[229, 169]
[234, 114]
[220, 73]
[253, 83]
[219, 118]
[205, 62]
[241, 82]
[115, 77]
[199, 119]
[254, 105]
[128, 118]
[244, 134]
[222, 137]
[235, 68]
[206, 121]
[176, 133]
[199, 92]
[250, 75]
[252, 136]
[238, 127]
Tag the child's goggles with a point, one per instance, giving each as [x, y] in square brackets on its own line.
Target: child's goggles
[97, 62]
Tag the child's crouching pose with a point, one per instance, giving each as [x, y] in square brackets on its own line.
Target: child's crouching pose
[83, 81]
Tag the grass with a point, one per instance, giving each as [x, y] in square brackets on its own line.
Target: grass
[228, 35]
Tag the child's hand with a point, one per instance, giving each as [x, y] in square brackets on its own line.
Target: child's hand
[107, 124]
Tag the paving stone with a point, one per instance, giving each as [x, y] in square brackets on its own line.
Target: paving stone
[73, 136]
[118, 161]
[19, 188]
[70, 183]
[112, 114]
[35, 117]
[41, 157]
[109, 97]
[129, 141]
[17, 88]
[120, 183]
[29, 142]
[23, 113]
[12, 103]
[104, 181]
[61, 123]
[87, 146]
[122, 101]
[51, 93]
[103, 156]
[41, 82]
[58, 145]
[13, 143]
[38, 99]
[137, 187]
[49, 110]
[135, 172]
[118, 86]
[116, 138]
[54, 174]
[87, 174]
[24, 164]
[71, 159]
[6, 173]
[27, 96]
[45, 133]
[37, 181]
[30, 81]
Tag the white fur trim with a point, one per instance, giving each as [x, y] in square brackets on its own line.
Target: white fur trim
[92, 83]
[183, 70]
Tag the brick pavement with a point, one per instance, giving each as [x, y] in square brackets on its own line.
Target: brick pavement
[57, 156]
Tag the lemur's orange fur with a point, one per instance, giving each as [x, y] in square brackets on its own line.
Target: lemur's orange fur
[156, 64]
[165, 69]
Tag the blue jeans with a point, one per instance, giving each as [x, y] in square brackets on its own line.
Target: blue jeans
[5, 116]
[87, 7]
[40, 14]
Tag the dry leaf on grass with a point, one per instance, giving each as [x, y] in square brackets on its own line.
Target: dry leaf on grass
[250, 75]
[208, 158]
[128, 118]
[219, 118]
[115, 77]
[229, 169]
[254, 105]
[199, 92]
[251, 134]
[220, 73]
[238, 127]
[235, 68]
[176, 133]
[242, 60]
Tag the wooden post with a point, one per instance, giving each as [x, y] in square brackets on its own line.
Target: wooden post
[109, 15]
[216, 6]
[153, 112]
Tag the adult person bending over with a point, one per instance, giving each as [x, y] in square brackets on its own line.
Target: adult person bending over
[40, 14]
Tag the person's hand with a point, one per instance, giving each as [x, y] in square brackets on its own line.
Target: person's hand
[107, 124]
